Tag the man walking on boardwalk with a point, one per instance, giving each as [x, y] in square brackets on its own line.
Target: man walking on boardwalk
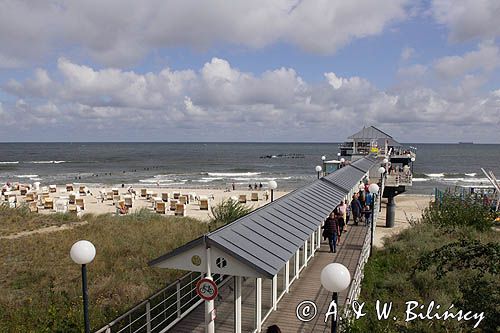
[356, 208]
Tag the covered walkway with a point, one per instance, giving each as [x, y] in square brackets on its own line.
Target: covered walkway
[271, 255]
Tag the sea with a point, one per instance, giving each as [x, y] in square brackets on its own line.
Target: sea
[219, 165]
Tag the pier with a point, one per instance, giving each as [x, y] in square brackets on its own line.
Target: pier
[265, 264]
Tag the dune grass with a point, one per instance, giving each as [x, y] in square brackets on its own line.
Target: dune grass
[450, 257]
[15, 220]
[41, 286]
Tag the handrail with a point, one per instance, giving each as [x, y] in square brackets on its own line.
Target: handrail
[180, 293]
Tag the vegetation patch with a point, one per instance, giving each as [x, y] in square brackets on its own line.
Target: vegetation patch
[41, 285]
[450, 257]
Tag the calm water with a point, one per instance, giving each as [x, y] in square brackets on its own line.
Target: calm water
[217, 165]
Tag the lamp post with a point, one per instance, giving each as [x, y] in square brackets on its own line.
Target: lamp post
[373, 188]
[272, 185]
[335, 277]
[412, 160]
[318, 170]
[342, 160]
[82, 253]
[323, 159]
[381, 170]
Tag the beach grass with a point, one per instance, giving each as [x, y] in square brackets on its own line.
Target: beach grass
[41, 286]
[20, 219]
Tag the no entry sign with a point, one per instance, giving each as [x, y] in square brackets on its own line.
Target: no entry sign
[207, 289]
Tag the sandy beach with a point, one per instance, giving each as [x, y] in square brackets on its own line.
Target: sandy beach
[408, 207]
[94, 204]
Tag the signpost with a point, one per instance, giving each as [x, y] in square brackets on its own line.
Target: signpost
[207, 289]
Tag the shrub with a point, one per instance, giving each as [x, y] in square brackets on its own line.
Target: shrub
[226, 212]
[454, 213]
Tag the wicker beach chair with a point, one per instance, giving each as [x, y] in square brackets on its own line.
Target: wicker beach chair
[144, 192]
[128, 200]
[203, 203]
[254, 196]
[48, 203]
[173, 203]
[165, 196]
[242, 198]
[80, 202]
[180, 209]
[52, 188]
[160, 207]
[33, 207]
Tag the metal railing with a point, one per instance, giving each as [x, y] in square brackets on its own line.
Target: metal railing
[398, 179]
[355, 288]
[164, 309]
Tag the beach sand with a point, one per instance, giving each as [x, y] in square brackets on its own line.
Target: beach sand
[407, 207]
[93, 204]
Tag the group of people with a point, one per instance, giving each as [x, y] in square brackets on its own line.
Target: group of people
[360, 208]
[255, 186]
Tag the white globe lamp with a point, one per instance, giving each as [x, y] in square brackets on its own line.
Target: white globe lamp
[272, 186]
[335, 278]
[373, 188]
[82, 253]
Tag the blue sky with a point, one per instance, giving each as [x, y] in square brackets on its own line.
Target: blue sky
[249, 71]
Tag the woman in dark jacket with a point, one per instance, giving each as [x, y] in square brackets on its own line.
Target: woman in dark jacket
[331, 231]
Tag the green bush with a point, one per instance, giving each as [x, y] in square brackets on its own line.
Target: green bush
[226, 212]
[454, 212]
[452, 257]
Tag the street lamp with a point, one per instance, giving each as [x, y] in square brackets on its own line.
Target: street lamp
[373, 189]
[272, 185]
[338, 154]
[82, 253]
[318, 170]
[385, 161]
[335, 277]
[323, 158]
[381, 170]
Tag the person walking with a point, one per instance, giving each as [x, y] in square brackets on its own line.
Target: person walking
[340, 212]
[331, 231]
[355, 209]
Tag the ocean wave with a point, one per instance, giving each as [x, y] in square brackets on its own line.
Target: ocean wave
[46, 162]
[473, 174]
[26, 176]
[207, 179]
[233, 174]
[13, 162]
[435, 175]
[420, 179]
[155, 180]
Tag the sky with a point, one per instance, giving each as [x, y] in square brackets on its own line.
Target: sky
[252, 71]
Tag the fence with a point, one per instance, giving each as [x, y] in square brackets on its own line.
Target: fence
[162, 310]
[355, 288]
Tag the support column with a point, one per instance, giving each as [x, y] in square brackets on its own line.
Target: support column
[305, 253]
[318, 242]
[237, 304]
[274, 293]
[312, 243]
[209, 305]
[287, 276]
[390, 212]
[258, 304]
[297, 263]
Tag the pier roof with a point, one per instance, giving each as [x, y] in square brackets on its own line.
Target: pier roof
[373, 133]
[265, 239]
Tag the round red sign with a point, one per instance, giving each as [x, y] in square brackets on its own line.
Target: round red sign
[207, 289]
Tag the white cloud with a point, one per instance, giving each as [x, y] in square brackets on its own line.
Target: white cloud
[118, 32]
[407, 53]
[413, 71]
[468, 19]
[221, 102]
[486, 59]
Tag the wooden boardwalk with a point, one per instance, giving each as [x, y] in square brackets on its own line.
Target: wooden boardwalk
[307, 287]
